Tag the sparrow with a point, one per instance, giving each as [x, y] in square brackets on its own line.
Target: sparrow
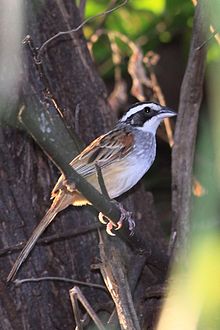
[124, 155]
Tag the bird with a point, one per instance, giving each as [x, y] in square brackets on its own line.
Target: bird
[124, 155]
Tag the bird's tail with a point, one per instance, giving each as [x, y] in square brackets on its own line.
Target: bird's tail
[60, 202]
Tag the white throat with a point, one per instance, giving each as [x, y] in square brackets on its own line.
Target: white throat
[151, 125]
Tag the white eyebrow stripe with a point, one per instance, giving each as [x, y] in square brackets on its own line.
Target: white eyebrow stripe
[138, 108]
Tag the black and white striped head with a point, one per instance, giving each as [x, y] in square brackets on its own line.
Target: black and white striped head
[146, 116]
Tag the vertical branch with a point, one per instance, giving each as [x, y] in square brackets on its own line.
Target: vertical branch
[185, 134]
[115, 278]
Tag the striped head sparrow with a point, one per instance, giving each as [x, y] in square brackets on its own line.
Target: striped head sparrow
[124, 155]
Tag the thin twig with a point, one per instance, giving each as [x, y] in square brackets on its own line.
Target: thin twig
[215, 33]
[57, 278]
[101, 181]
[76, 294]
[212, 35]
[150, 60]
[167, 122]
[102, 21]
[76, 311]
[45, 44]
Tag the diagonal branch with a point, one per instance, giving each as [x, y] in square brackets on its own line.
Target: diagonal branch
[77, 295]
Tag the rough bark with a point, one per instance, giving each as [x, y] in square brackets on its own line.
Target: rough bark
[186, 131]
[27, 177]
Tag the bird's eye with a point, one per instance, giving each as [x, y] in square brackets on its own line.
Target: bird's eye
[147, 110]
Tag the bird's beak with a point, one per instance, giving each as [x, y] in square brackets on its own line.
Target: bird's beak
[166, 112]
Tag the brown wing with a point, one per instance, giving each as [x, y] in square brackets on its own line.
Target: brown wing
[104, 150]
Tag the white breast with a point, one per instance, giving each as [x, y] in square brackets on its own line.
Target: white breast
[125, 174]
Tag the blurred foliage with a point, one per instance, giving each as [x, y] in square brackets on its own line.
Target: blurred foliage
[213, 55]
[149, 23]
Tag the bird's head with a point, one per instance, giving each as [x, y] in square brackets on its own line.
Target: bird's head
[146, 116]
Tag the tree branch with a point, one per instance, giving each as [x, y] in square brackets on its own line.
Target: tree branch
[185, 133]
[116, 281]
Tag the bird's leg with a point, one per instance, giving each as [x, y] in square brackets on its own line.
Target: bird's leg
[125, 215]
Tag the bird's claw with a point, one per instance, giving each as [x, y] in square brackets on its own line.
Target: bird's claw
[109, 228]
[109, 224]
[125, 215]
[102, 217]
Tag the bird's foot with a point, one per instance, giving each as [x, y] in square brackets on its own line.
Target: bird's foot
[125, 215]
